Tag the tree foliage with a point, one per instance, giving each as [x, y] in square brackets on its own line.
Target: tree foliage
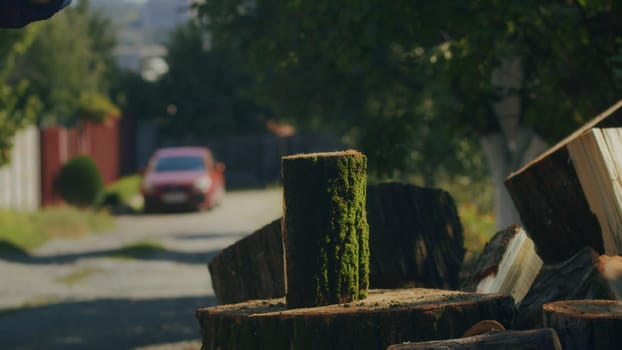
[203, 93]
[17, 107]
[69, 64]
[410, 81]
[56, 72]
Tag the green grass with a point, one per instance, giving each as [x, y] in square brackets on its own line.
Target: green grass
[126, 187]
[125, 190]
[138, 250]
[77, 276]
[478, 228]
[22, 232]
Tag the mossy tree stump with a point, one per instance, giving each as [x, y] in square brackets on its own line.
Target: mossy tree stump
[586, 324]
[325, 230]
[386, 317]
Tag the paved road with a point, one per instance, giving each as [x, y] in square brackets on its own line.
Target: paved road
[72, 294]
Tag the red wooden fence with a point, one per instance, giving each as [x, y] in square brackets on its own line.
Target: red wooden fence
[59, 144]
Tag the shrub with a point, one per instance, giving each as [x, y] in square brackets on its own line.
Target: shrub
[79, 182]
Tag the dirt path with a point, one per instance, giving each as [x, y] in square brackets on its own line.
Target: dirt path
[75, 294]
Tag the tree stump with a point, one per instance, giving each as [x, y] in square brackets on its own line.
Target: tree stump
[577, 278]
[386, 317]
[325, 228]
[415, 237]
[251, 268]
[586, 324]
[551, 202]
[537, 339]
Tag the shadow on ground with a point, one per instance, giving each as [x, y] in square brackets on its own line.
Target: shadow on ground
[139, 251]
[102, 324]
[121, 253]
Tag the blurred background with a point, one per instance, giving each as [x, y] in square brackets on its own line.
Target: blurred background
[450, 94]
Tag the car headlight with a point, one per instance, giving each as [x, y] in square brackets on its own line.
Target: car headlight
[203, 183]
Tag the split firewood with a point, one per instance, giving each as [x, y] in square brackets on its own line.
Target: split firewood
[569, 197]
[482, 327]
[586, 324]
[580, 277]
[538, 339]
[508, 264]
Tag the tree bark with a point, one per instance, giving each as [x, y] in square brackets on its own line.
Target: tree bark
[551, 203]
[325, 228]
[508, 264]
[386, 317]
[415, 240]
[579, 277]
[513, 145]
[415, 237]
[537, 339]
[251, 268]
[586, 324]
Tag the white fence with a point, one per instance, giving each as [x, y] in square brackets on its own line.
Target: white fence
[20, 179]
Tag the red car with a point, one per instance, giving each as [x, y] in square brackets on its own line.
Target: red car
[183, 178]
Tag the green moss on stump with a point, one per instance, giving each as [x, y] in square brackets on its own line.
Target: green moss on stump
[325, 228]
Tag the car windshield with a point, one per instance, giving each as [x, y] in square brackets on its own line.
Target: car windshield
[179, 163]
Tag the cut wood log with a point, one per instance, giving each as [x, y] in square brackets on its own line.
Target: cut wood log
[586, 324]
[597, 159]
[251, 268]
[386, 317]
[508, 264]
[483, 326]
[577, 278]
[537, 339]
[552, 202]
[325, 230]
[416, 237]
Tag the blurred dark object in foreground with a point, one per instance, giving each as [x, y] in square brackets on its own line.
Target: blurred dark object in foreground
[18, 13]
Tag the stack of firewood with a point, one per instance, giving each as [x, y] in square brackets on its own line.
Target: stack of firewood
[561, 264]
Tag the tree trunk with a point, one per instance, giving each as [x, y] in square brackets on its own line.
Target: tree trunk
[513, 145]
[552, 205]
[538, 339]
[325, 228]
[586, 324]
[579, 277]
[251, 268]
[415, 237]
[502, 159]
[386, 317]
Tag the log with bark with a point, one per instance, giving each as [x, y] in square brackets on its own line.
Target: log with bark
[386, 317]
[416, 237]
[508, 264]
[251, 268]
[586, 324]
[579, 277]
[325, 230]
[415, 240]
[537, 339]
[554, 200]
